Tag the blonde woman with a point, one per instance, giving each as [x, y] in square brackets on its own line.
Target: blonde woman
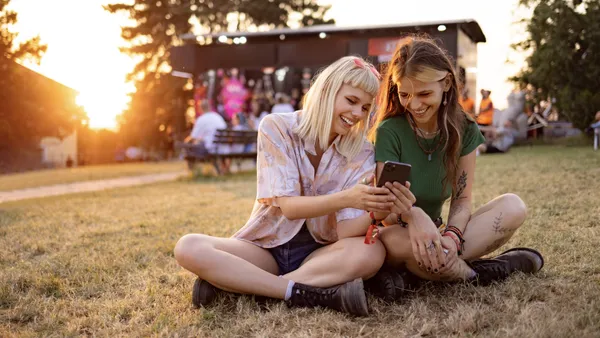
[304, 241]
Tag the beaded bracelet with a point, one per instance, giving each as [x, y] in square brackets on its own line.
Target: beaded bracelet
[401, 222]
[454, 237]
[456, 231]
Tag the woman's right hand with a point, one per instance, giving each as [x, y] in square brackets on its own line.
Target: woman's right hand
[426, 241]
[365, 196]
[404, 197]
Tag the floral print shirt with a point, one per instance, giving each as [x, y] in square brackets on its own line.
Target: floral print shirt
[284, 170]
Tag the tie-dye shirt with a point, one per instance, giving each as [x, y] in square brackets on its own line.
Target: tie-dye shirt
[284, 169]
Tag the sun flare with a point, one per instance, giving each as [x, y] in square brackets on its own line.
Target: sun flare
[83, 53]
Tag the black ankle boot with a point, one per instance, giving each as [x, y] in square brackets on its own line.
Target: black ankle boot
[349, 297]
[203, 293]
[387, 284]
[500, 267]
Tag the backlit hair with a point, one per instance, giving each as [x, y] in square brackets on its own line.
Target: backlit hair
[422, 59]
[318, 104]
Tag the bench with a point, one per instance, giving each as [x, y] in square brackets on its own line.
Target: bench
[237, 145]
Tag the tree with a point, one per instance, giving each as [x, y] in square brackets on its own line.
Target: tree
[158, 24]
[9, 85]
[564, 59]
[30, 49]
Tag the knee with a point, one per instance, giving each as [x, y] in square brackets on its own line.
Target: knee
[516, 208]
[368, 260]
[191, 247]
[397, 246]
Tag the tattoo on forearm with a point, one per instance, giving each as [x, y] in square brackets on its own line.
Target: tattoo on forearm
[455, 210]
[461, 185]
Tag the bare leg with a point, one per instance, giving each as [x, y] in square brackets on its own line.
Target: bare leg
[231, 265]
[241, 267]
[489, 228]
[340, 262]
[492, 225]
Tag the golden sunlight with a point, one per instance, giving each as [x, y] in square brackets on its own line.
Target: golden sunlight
[103, 103]
[83, 53]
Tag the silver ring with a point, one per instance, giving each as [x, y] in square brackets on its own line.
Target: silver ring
[431, 246]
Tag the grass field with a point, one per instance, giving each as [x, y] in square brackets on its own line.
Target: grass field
[102, 264]
[87, 173]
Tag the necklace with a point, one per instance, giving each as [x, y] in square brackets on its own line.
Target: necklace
[426, 149]
[428, 133]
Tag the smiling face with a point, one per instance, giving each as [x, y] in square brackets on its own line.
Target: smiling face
[422, 100]
[351, 106]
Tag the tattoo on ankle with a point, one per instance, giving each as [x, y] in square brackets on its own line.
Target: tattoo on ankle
[495, 245]
[460, 186]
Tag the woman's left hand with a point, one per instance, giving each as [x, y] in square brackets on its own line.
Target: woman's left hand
[452, 255]
[404, 198]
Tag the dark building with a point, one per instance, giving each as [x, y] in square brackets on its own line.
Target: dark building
[295, 51]
[32, 107]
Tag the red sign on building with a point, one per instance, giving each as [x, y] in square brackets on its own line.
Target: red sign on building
[382, 46]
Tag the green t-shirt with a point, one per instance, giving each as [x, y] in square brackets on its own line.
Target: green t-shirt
[396, 142]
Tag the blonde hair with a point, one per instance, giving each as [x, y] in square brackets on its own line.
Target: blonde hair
[318, 104]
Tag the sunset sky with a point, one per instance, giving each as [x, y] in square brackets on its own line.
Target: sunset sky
[83, 42]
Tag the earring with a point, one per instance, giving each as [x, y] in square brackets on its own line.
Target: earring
[445, 99]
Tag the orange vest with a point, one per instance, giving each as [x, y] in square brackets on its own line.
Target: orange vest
[467, 105]
[486, 116]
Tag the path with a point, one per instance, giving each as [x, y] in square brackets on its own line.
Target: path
[86, 186]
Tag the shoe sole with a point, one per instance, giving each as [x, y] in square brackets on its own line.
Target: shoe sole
[359, 307]
[535, 252]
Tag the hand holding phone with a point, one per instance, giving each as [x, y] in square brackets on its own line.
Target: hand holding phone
[394, 172]
[394, 177]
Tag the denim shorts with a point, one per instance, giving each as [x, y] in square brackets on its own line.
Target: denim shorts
[289, 256]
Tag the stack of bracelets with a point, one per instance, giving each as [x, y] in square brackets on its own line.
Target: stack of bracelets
[451, 231]
[457, 236]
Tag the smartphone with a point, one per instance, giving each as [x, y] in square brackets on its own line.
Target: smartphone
[394, 172]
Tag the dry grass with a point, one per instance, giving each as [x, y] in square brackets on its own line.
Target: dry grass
[87, 173]
[102, 263]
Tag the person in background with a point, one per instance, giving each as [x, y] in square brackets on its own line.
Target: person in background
[258, 110]
[282, 104]
[238, 122]
[467, 103]
[499, 140]
[504, 131]
[200, 140]
[486, 109]
[597, 118]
